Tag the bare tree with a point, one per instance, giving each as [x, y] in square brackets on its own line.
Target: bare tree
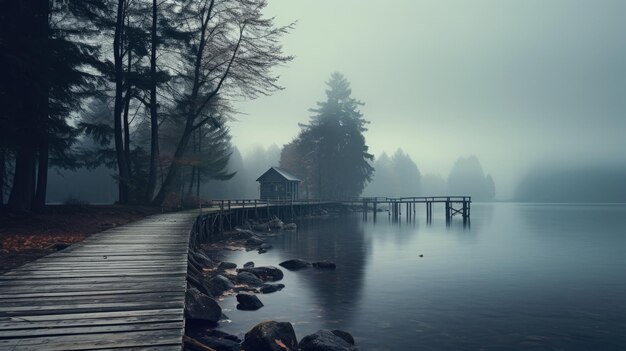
[231, 51]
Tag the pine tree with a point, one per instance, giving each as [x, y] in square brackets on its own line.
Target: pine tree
[44, 57]
[332, 147]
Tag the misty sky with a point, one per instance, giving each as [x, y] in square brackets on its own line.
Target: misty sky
[512, 82]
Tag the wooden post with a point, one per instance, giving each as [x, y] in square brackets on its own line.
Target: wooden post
[398, 213]
[375, 211]
[408, 214]
[464, 211]
[365, 210]
[221, 216]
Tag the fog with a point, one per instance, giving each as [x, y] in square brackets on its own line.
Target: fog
[516, 83]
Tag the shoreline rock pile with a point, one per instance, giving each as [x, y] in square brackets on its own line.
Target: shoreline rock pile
[209, 280]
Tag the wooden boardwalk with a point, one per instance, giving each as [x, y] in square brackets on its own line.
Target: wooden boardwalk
[123, 288]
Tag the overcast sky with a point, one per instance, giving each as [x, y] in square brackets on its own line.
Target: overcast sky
[512, 82]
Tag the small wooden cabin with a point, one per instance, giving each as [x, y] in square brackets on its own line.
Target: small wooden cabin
[278, 184]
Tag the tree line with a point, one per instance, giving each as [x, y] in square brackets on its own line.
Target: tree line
[141, 86]
[398, 176]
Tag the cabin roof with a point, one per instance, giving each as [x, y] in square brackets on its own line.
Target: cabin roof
[281, 172]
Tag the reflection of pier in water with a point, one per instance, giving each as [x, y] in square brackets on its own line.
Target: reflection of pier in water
[453, 205]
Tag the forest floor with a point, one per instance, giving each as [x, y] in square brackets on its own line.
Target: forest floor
[25, 238]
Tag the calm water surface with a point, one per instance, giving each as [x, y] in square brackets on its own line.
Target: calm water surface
[522, 276]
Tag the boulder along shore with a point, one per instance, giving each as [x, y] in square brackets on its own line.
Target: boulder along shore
[210, 279]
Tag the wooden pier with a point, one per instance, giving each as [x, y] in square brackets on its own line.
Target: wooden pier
[123, 288]
[229, 213]
[453, 205]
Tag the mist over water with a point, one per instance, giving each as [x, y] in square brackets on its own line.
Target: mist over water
[522, 276]
[515, 83]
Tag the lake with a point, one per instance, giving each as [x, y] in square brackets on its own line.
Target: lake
[521, 276]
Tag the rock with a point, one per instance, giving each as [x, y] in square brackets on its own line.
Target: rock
[264, 227]
[276, 224]
[220, 334]
[324, 265]
[270, 288]
[271, 336]
[290, 226]
[265, 246]
[200, 306]
[255, 241]
[214, 342]
[421, 255]
[248, 302]
[344, 335]
[261, 251]
[248, 265]
[266, 273]
[241, 234]
[219, 284]
[61, 246]
[226, 265]
[202, 259]
[249, 279]
[326, 340]
[295, 264]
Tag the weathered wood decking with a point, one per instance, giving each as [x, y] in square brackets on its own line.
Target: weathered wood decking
[123, 288]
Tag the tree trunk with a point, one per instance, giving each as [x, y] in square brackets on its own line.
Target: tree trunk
[43, 94]
[42, 174]
[126, 125]
[198, 175]
[122, 165]
[35, 107]
[154, 122]
[23, 189]
[192, 179]
[173, 171]
[2, 174]
[194, 168]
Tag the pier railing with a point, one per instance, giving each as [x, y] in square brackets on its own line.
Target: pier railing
[453, 205]
[354, 200]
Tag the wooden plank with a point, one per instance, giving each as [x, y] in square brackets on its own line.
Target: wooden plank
[92, 281]
[59, 276]
[25, 325]
[113, 314]
[102, 341]
[96, 287]
[88, 307]
[82, 293]
[50, 269]
[149, 348]
[144, 296]
[97, 329]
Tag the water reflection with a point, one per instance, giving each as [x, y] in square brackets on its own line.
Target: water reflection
[341, 240]
[521, 277]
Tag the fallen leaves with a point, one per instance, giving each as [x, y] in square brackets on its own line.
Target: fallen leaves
[17, 243]
[281, 344]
